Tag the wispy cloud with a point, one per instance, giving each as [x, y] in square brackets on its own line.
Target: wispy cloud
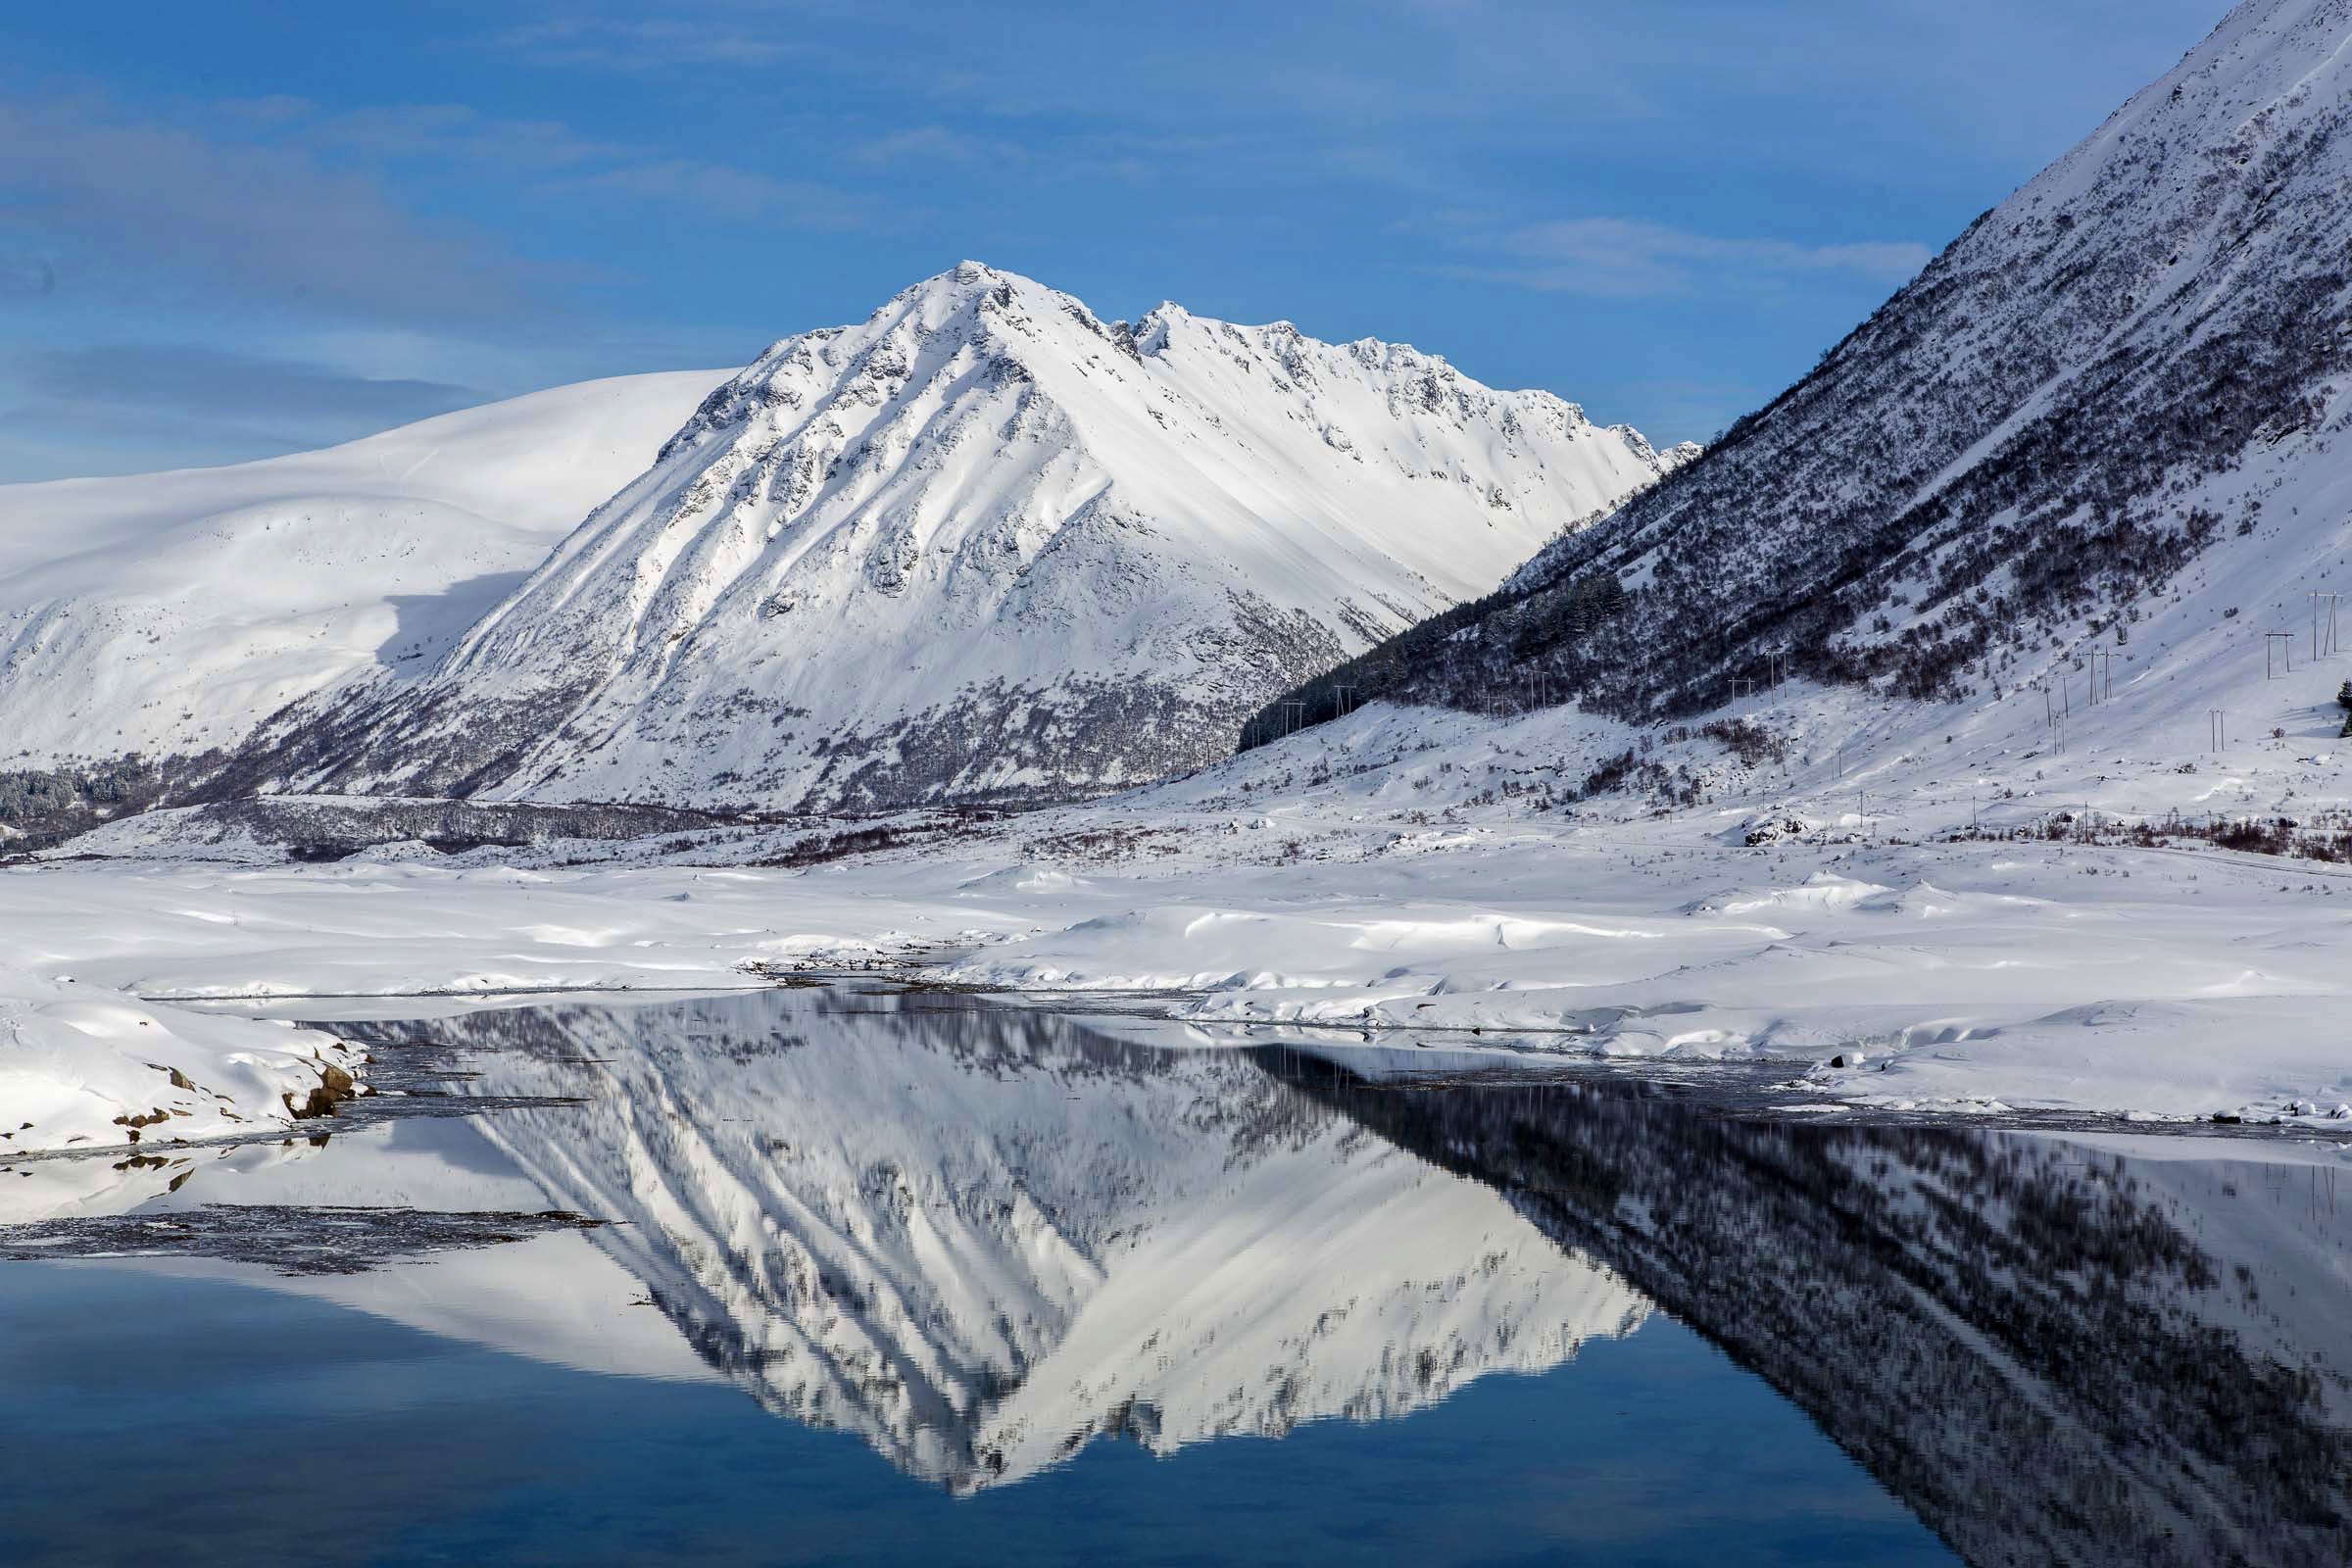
[230, 385]
[742, 195]
[939, 145]
[27, 275]
[132, 203]
[458, 134]
[115, 408]
[281, 202]
[640, 43]
[1622, 258]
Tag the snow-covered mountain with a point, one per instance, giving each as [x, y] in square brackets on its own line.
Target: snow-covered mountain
[168, 613]
[983, 545]
[980, 1241]
[2112, 417]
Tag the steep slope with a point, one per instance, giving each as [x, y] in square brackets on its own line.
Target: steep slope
[983, 545]
[2111, 414]
[981, 1240]
[168, 613]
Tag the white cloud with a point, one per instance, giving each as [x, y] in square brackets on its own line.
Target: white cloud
[721, 191]
[126, 204]
[938, 144]
[646, 43]
[1622, 258]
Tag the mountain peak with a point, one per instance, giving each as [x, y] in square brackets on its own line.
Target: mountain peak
[968, 282]
[983, 545]
[980, 286]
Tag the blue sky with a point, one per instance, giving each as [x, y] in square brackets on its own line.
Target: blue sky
[232, 230]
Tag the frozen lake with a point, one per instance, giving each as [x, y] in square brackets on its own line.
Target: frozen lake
[825, 1276]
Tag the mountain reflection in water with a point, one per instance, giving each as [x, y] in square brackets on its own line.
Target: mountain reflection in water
[2053, 1350]
[979, 1238]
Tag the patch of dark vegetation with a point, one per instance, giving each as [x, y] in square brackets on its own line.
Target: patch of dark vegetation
[1119, 842]
[1447, 652]
[1749, 741]
[325, 828]
[42, 808]
[818, 849]
[847, 843]
[2325, 836]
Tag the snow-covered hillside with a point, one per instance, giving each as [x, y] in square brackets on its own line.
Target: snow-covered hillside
[168, 613]
[2111, 420]
[984, 545]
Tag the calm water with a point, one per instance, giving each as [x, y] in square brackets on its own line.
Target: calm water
[904, 1282]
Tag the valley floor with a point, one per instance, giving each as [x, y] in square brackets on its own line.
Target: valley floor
[1885, 966]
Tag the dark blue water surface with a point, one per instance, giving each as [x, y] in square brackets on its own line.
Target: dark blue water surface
[219, 1422]
[885, 1284]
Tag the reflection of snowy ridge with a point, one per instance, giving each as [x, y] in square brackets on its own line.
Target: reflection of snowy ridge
[2053, 1352]
[980, 1242]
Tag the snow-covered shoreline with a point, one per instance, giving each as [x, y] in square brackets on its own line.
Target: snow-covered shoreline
[1415, 870]
[1980, 976]
[89, 1067]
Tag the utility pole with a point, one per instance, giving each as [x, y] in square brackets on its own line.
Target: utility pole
[2217, 730]
[2277, 645]
[2323, 646]
[2102, 676]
